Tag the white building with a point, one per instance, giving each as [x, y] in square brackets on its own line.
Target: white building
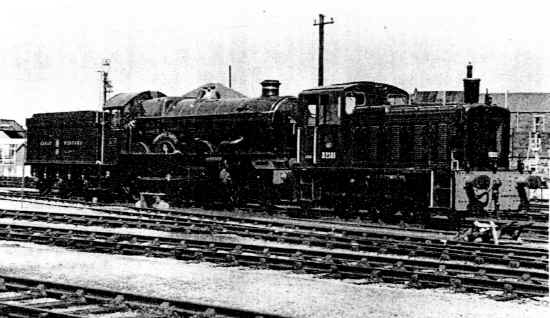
[12, 149]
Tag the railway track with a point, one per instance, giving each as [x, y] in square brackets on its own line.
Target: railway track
[537, 222]
[535, 214]
[318, 225]
[398, 244]
[521, 278]
[536, 232]
[24, 297]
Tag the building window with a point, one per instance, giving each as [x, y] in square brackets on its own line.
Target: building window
[7, 154]
[538, 123]
[11, 153]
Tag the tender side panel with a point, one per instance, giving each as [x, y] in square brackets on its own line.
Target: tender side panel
[73, 137]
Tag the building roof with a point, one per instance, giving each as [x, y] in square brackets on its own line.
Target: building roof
[224, 91]
[10, 125]
[12, 129]
[516, 102]
[522, 102]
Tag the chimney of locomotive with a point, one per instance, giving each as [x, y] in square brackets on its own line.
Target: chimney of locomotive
[471, 86]
[270, 88]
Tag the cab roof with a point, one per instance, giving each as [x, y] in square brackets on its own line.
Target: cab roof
[126, 99]
[362, 85]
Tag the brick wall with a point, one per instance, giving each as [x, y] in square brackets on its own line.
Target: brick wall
[521, 124]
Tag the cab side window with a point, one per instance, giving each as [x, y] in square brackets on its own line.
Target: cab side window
[329, 106]
[350, 103]
[372, 100]
[322, 109]
[115, 118]
[360, 99]
[353, 100]
[312, 109]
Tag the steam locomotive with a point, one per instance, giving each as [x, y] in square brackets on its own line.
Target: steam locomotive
[358, 147]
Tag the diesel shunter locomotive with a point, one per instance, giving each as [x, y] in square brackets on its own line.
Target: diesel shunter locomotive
[366, 145]
[359, 147]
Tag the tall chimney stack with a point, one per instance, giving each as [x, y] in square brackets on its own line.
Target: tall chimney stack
[270, 88]
[471, 86]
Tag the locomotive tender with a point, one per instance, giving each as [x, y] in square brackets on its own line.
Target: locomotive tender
[352, 146]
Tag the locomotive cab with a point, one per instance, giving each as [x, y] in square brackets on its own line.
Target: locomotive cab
[124, 108]
[322, 116]
[330, 119]
[328, 114]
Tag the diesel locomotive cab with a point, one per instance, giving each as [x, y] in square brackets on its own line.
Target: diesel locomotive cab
[328, 116]
[322, 116]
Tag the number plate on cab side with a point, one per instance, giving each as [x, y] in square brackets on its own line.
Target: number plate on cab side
[328, 155]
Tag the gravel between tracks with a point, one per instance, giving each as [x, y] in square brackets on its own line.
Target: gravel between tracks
[134, 231]
[37, 206]
[264, 290]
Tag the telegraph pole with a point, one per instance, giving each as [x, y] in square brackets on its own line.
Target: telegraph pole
[229, 75]
[106, 86]
[321, 25]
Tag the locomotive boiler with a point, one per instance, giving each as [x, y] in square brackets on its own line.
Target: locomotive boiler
[189, 140]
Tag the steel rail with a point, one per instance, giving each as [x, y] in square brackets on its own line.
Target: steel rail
[381, 244]
[26, 297]
[320, 226]
[538, 228]
[339, 263]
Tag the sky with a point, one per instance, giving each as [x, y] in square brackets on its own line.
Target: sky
[51, 50]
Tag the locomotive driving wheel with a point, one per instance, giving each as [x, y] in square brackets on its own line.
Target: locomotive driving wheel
[165, 146]
[165, 143]
[140, 147]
